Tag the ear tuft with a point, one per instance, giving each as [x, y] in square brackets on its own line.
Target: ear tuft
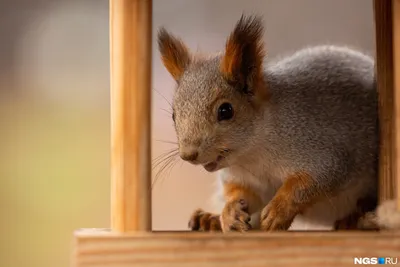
[244, 53]
[174, 53]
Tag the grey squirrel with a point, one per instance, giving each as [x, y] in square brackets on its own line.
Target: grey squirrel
[294, 141]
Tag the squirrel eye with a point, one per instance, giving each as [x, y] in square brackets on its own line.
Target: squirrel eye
[225, 112]
[173, 116]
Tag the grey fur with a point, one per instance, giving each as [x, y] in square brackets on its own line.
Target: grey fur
[321, 118]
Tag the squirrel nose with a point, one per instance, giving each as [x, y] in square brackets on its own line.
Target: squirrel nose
[189, 155]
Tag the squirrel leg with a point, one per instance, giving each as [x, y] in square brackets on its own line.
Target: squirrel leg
[241, 203]
[298, 192]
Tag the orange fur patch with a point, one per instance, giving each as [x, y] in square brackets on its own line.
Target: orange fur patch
[204, 221]
[233, 58]
[297, 192]
[174, 53]
[244, 54]
[234, 192]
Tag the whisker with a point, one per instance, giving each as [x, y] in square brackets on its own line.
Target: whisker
[161, 158]
[157, 161]
[169, 103]
[171, 166]
[161, 163]
[168, 160]
[166, 141]
[165, 162]
[169, 151]
[167, 111]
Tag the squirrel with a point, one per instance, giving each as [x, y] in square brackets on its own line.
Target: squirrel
[294, 141]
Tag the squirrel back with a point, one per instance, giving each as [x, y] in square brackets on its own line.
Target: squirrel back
[323, 102]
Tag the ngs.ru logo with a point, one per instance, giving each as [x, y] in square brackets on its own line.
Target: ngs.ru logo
[375, 260]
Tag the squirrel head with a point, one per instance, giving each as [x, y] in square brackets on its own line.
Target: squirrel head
[217, 99]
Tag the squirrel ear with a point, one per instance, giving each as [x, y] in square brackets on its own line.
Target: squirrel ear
[174, 53]
[241, 64]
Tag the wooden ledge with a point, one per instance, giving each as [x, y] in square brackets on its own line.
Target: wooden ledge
[101, 247]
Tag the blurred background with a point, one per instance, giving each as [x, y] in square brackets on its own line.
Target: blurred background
[54, 109]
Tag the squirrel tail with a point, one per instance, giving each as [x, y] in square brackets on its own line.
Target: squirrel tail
[385, 217]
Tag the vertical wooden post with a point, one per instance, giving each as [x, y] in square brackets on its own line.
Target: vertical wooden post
[130, 52]
[384, 73]
[396, 68]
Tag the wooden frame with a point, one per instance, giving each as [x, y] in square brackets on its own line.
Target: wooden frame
[130, 242]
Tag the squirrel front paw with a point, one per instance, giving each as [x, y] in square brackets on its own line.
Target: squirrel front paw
[204, 221]
[275, 217]
[235, 216]
[298, 192]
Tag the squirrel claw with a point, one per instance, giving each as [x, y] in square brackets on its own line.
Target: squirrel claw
[275, 219]
[204, 221]
[235, 217]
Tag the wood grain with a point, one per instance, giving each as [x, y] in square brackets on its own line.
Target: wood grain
[384, 72]
[101, 249]
[130, 52]
[396, 69]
